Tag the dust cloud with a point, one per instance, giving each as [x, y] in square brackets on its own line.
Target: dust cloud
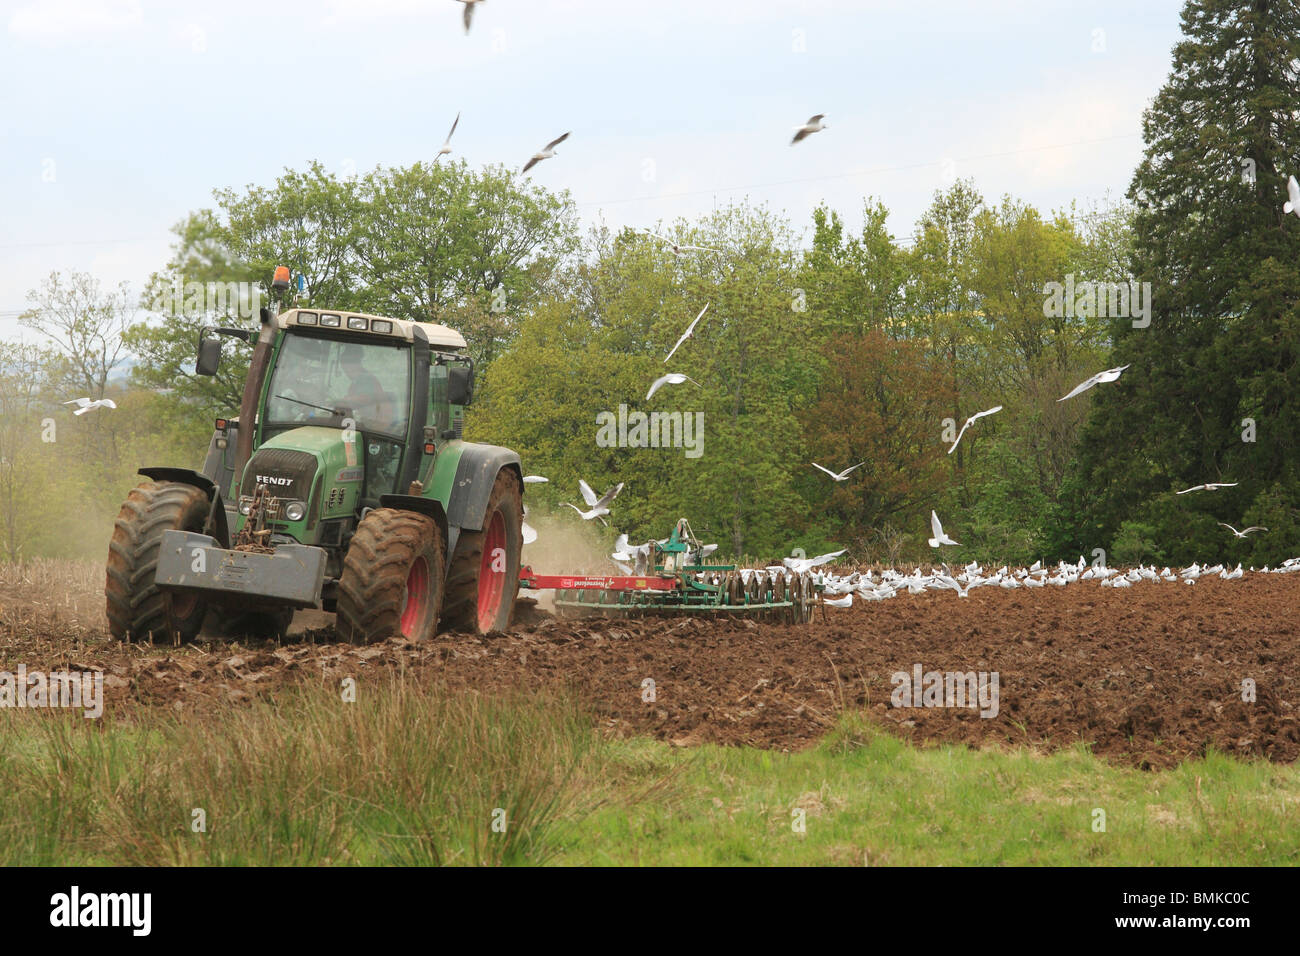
[566, 545]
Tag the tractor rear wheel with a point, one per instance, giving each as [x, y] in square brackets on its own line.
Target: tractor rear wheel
[137, 607]
[392, 581]
[483, 581]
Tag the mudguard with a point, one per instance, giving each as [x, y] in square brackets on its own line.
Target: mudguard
[216, 524]
[475, 474]
[429, 507]
[185, 476]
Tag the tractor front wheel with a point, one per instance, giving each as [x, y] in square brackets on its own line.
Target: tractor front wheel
[392, 581]
[137, 607]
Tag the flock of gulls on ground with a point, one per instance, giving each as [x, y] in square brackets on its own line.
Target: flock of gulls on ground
[839, 590]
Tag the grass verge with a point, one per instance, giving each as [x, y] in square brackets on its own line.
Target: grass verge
[413, 775]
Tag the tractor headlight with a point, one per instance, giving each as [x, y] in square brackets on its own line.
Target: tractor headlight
[245, 506]
[295, 510]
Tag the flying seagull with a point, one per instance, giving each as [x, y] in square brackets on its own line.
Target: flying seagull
[599, 506]
[678, 247]
[530, 535]
[939, 536]
[446, 144]
[1110, 375]
[1293, 196]
[970, 421]
[672, 378]
[1242, 534]
[535, 480]
[800, 565]
[842, 475]
[1211, 486]
[85, 404]
[689, 329]
[622, 550]
[814, 125]
[546, 152]
[638, 556]
[469, 12]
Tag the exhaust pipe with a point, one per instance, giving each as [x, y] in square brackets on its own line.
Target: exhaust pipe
[256, 378]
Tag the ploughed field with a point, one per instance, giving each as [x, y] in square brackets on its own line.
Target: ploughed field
[1145, 676]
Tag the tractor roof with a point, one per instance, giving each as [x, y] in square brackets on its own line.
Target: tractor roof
[439, 335]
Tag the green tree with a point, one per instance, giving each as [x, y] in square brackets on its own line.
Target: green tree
[942, 306]
[470, 249]
[853, 283]
[601, 340]
[1212, 239]
[167, 345]
[307, 221]
[442, 243]
[85, 322]
[878, 403]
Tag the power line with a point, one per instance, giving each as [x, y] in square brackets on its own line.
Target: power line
[692, 192]
[17, 313]
[77, 242]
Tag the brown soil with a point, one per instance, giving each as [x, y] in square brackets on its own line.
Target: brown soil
[1147, 676]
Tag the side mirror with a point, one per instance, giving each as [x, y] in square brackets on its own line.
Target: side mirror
[209, 356]
[460, 385]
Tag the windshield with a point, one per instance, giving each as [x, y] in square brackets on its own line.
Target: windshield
[320, 381]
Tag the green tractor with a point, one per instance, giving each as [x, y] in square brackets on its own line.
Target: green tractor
[343, 485]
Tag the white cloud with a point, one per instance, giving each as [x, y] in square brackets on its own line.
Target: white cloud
[55, 19]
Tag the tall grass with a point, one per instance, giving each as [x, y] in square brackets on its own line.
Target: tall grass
[409, 775]
[401, 776]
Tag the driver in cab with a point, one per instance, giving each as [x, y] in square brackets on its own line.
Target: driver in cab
[366, 399]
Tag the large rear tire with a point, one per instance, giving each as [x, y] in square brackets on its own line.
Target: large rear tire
[392, 582]
[484, 578]
[137, 607]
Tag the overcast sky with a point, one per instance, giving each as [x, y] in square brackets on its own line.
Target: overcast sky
[117, 117]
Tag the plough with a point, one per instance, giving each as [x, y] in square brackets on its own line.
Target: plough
[674, 583]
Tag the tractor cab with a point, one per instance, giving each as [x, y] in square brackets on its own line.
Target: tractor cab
[352, 407]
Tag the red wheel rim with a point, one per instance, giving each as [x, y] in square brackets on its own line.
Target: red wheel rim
[492, 583]
[417, 597]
